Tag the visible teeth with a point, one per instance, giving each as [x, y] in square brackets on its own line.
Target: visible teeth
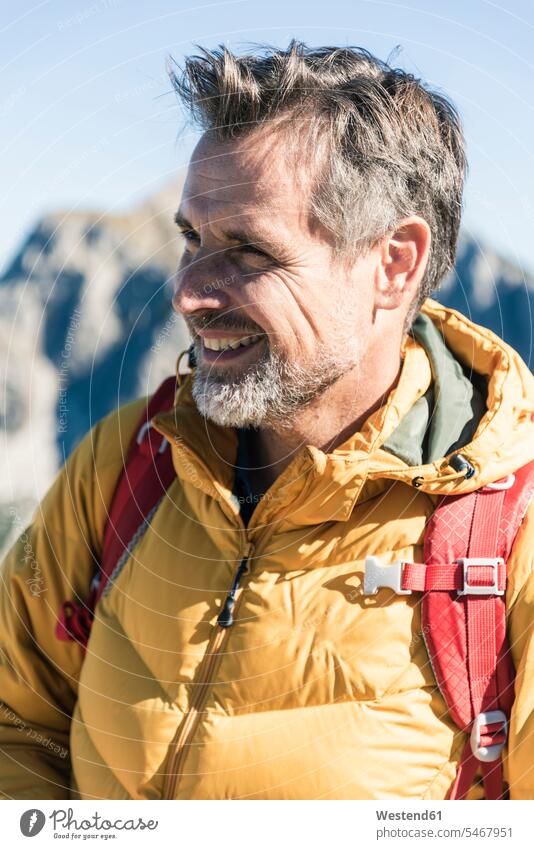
[233, 342]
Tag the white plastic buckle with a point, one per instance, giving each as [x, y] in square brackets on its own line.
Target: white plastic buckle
[488, 753]
[377, 576]
[484, 589]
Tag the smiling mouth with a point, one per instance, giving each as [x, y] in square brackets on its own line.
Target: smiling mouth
[217, 350]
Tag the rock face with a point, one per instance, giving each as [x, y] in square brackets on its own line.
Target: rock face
[493, 292]
[86, 324]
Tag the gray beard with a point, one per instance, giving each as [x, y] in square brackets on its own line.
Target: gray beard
[270, 393]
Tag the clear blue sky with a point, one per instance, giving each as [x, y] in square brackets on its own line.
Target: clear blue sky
[87, 118]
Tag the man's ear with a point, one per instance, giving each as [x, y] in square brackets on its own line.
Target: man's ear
[403, 260]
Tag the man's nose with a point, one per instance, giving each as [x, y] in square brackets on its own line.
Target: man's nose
[198, 287]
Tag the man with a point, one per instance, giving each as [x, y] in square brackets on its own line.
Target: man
[234, 654]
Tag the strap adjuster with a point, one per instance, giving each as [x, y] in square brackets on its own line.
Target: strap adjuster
[377, 576]
[488, 753]
[481, 589]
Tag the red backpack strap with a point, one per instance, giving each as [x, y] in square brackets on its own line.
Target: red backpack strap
[465, 630]
[463, 578]
[146, 476]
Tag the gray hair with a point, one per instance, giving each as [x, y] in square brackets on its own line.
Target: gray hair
[386, 146]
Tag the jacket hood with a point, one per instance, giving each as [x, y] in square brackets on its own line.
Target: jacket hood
[485, 400]
[446, 417]
[484, 404]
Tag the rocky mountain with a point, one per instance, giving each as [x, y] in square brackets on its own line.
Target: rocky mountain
[494, 292]
[86, 324]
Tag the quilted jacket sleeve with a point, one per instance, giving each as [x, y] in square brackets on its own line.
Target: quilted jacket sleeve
[519, 763]
[52, 559]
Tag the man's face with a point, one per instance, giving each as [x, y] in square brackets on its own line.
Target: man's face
[274, 319]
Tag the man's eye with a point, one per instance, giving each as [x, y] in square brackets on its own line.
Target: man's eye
[250, 249]
[190, 237]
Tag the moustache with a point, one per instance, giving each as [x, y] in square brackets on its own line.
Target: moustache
[222, 322]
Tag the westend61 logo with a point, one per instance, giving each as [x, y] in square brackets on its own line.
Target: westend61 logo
[65, 825]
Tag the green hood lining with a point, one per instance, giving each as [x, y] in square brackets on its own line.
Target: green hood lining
[446, 417]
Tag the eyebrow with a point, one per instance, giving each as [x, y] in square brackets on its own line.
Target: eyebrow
[240, 236]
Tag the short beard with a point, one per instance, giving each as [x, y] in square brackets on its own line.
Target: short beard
[271, 392]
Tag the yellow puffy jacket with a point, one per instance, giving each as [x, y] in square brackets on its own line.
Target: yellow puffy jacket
[316, 691]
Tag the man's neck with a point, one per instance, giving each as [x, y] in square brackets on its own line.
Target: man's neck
[326, 423]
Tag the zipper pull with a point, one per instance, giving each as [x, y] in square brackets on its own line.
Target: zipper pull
[225, 617]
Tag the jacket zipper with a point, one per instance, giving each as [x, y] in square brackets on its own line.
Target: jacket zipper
[225, 617]
[187, 729]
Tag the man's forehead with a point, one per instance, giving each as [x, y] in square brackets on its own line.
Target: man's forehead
[248, 206]
[248, 184]
[227, 199]
[254, 171]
